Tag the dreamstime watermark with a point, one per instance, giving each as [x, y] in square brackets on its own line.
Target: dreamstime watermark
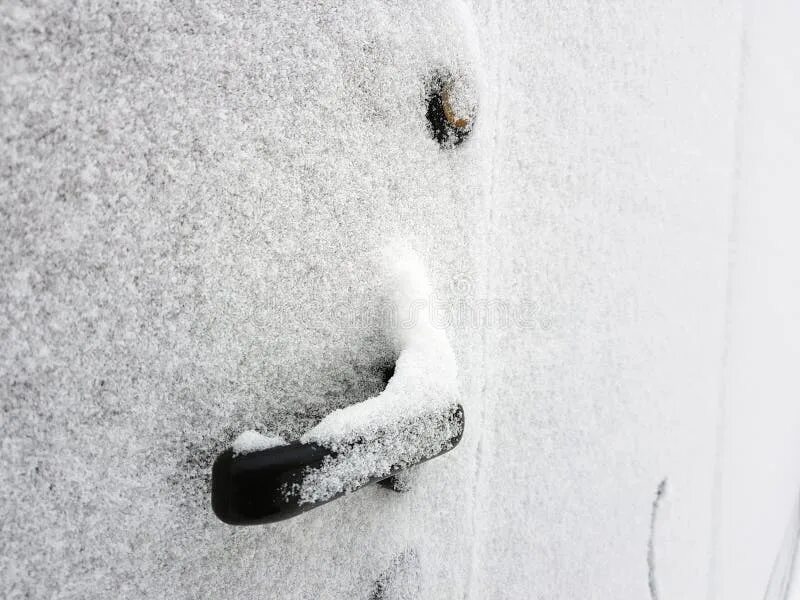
[458, 308]
[447, 313]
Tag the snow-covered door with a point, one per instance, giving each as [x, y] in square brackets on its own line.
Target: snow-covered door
[197, 199]
[196, 202]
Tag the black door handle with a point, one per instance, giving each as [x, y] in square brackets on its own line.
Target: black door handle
[266, 486]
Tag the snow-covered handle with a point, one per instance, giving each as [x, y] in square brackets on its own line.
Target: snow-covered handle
[266, 486]
[415, 418]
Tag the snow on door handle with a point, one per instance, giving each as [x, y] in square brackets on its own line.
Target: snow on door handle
[266, 486]
[415, 418]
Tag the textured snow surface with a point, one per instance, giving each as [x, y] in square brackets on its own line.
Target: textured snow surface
[193, 203]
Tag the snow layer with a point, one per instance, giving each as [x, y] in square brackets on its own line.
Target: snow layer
[193, 198]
